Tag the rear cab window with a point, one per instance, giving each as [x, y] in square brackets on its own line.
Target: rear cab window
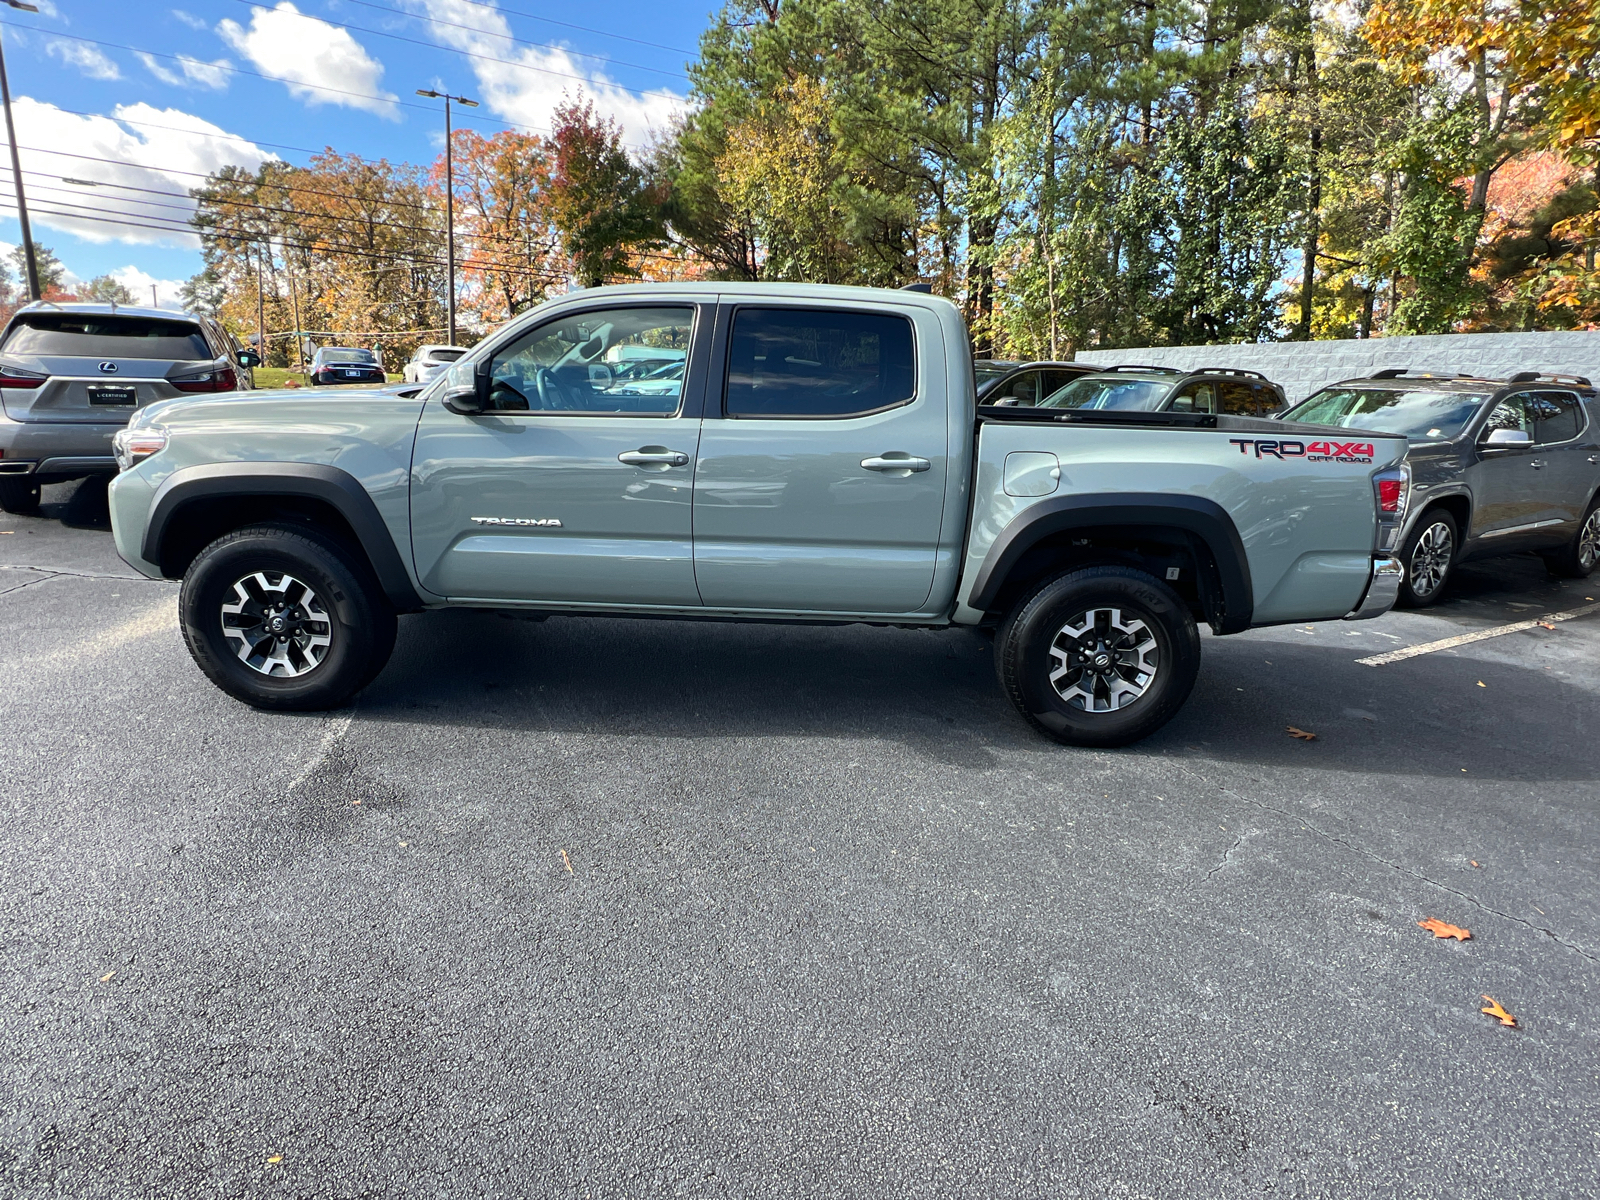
[105, 335]
[800, 363]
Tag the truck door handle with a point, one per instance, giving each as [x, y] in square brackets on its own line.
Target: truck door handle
[1594, 459]
[896, 462]
[1536, 463]
[654, 456]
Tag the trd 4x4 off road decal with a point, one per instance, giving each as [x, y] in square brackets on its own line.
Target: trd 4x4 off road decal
[1281, 448]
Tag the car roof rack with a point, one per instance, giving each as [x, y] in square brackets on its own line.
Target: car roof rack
[1230, 371]
[1396, 372]
[1138, 367]
[1549, 377]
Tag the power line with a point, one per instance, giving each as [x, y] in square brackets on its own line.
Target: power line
[494, 33]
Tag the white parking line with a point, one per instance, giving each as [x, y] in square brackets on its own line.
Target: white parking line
[1378, 660]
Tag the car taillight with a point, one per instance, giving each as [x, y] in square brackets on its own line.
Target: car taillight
[16, 377]
[1391, 488]
[220, 380]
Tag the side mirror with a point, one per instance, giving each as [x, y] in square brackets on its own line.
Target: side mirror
[468, 399]
[249, 359]
[1506, 439]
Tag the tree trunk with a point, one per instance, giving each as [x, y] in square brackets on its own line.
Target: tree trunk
[1308, 275]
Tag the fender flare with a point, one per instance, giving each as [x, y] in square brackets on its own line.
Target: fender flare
[1204, 519]
[309, 480]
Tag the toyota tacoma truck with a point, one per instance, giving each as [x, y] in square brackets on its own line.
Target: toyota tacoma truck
[750, 452]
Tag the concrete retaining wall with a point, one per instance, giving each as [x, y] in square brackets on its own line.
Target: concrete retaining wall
[1300, 368]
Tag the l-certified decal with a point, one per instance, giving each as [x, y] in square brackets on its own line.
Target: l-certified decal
[543, 522]
[1281, 448]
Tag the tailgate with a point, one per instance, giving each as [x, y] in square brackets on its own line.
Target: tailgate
[79, 390]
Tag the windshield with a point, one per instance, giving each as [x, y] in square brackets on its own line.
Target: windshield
[1421, 414]
[445, 355]
[347, 356]
[1101, 391]
[98, 335]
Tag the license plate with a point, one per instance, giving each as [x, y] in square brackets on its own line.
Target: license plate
[353, 374]
[113, 395]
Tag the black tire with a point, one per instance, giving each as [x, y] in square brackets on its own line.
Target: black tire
[20, 496]
[1039, 628]
[1429, 555]
[1579, 557]
[347, 608]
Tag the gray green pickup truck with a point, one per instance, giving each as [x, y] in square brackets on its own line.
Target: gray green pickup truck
[750, 452]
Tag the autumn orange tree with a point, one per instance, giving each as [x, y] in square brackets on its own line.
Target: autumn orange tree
[512, 249]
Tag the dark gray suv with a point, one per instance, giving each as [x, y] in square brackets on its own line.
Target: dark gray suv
[1498, 466]
[72, 374]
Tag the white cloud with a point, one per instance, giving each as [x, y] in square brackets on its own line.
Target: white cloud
[171, 159]
[213, 75]
[311, 55]
[532, 81]
[85, 57]
[189, 19]
[140, 282]
[155, 67]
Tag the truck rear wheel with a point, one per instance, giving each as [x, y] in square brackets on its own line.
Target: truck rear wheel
[284, 619]
[1099, 657]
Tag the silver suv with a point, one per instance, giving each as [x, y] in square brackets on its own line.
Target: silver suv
[72, 374]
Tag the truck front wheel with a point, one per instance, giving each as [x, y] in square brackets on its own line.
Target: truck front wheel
[1098, 657]
[283, 618]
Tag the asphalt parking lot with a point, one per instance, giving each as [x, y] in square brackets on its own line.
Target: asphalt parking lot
[630, 908]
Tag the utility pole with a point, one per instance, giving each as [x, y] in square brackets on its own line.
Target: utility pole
[154, 303]
[449, 201]
[261, 313]
[16, 167]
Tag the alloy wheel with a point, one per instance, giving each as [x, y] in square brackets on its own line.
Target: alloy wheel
[1589, 541]
[1104, 660]
[1430, 559]
[276, 625]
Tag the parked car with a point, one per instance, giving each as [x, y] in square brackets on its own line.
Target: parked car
[72, 374]
[828, 464]
[1027, 383]
[1497, 466]
[344, 364]
[428, 361]
[986, 370]
[1222, 390]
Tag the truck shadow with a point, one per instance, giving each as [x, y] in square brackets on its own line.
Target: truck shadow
[935, 692]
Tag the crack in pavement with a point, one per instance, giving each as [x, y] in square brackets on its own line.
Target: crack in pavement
[1226, 858]
[1378, 858]
[79, 574]
[18, 587]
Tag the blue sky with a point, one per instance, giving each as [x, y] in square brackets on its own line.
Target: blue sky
[144, 97]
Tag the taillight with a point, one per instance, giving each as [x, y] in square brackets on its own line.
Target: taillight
[16, 377]
[222, 379]
[1391, 494]
[1391, 487]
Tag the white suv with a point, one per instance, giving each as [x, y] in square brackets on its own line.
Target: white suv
[428, 361]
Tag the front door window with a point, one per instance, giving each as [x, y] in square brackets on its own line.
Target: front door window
[625, 360]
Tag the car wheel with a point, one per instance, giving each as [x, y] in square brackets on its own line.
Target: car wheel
[20, 496]
[1099, 657]
[283, 618]
[1429, 552]
[1578, 558]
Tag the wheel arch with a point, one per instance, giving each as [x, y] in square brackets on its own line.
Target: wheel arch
[196, 505]
[1125, 528]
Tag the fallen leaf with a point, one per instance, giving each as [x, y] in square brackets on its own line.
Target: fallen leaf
[1546, 625]
[1440, 930]
[568, 861]
[1302, 734]
[276, 1158]
[355, 802]
[1481, 683]
[106, 978]
[1475, 862]
[1498, 1013]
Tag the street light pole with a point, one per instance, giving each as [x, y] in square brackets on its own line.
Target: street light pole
[28, 259]
[449, 202]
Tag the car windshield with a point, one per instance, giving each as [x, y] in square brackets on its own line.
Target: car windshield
[97, 335]
[365, 357]
[1110, 391]
[445, 355]
[1422, 414]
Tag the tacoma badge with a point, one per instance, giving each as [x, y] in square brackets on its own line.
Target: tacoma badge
[545, 522]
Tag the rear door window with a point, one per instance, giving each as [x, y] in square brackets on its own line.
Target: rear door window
[1195, 397]
[1557, 417]
[1238, 398]
[1022, 389]
[1514, 412]
[800, 363]
[105, 335]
